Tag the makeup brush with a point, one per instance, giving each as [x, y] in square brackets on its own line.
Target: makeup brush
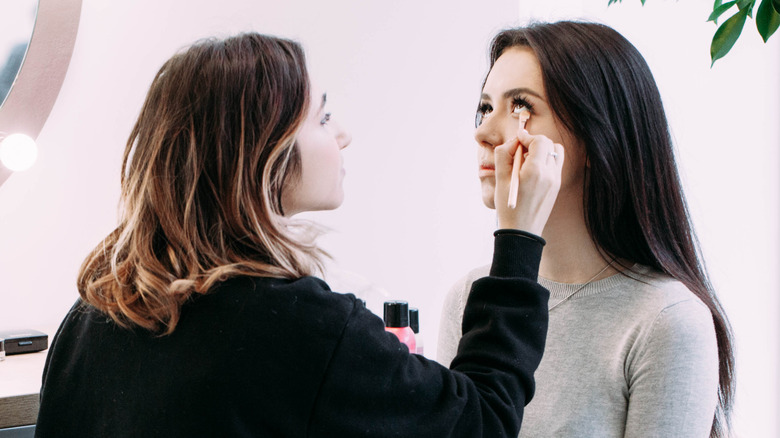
[523, 115]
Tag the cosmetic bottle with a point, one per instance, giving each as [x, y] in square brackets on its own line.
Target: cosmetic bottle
[414, 324]
[397, 322]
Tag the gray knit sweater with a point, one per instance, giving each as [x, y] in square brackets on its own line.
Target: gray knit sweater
[631, 355]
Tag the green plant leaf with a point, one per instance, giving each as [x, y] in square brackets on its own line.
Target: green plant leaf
[727, 35]
[746, 5]
[776, 5]
[767, 19]
[717, 12]
[717, 3]
[621, 1]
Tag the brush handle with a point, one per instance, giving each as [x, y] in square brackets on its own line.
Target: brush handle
[514, 183]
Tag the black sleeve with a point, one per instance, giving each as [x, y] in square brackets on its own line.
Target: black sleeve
[373, 387]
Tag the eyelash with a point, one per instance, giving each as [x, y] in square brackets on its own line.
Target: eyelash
[325, 119]
[519, 101]
[484, 109]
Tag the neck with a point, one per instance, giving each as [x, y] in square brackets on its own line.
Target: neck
[571, 256]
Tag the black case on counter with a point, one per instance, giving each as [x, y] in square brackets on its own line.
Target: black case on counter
[24, 341]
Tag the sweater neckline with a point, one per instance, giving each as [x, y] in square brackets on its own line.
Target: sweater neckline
[562, 290]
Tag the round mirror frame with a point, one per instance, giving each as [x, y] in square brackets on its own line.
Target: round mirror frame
[38, 83]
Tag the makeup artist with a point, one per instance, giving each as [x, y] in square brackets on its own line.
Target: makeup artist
[201, 315]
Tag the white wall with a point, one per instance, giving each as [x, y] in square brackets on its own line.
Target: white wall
[404, 76]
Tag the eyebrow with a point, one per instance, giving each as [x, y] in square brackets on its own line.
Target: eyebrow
[324, 99]
[509, 94]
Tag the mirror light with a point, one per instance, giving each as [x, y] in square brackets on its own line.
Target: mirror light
[18, 152]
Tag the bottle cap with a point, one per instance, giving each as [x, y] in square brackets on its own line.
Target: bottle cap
[414, 320]
[396, 314]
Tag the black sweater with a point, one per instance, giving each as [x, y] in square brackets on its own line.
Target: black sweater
[264, 357]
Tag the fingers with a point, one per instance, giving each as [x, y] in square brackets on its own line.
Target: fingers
[504, 157]
[538, 150]
[541, 150]
[532, 191]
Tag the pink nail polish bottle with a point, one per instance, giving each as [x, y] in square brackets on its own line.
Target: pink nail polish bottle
[397, 322]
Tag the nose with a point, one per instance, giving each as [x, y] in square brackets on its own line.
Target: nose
[489, 134]
[343, 137]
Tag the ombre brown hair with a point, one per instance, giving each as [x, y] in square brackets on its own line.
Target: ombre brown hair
[602, 90]
[203, 174]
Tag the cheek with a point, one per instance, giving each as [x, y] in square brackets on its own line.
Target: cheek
[322, 164]
[546, 126]
[574, 167]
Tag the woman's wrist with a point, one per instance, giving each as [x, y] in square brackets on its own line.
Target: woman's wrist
[527, 234]
[530, 224]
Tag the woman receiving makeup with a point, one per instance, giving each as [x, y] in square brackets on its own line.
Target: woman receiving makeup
[200, 315]
[638, 344]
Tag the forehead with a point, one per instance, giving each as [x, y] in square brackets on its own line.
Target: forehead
[517, 67]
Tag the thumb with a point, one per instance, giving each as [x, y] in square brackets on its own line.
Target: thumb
[525, 137]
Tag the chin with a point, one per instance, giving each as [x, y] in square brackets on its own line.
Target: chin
[489, 196]
[334, 204]
[327, 207]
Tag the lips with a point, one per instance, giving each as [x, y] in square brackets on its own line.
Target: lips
[487, 169]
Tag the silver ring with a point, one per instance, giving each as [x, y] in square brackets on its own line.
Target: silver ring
[553, 154]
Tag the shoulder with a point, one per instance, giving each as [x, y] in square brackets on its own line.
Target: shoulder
[671, 315]
[262, 311]
[455, 300]
[651, 310]
[280, 297]
[659, 294]
[262, 289]
[460, 290]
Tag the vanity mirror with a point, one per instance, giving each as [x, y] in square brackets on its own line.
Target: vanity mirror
[17, 19]
[26, 105]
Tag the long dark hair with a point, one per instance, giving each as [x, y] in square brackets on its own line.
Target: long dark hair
[203, 174]
[602, 91]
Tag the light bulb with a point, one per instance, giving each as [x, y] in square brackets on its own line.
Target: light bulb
[18, 152]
